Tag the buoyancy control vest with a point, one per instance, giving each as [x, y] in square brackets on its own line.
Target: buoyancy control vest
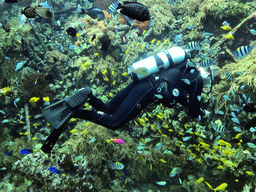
[168, 85]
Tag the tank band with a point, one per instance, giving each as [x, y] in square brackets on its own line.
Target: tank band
[169, 59]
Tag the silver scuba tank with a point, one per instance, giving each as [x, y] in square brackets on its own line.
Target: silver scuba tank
[153, 64]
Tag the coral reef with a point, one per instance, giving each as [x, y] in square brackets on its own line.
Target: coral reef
[162, 144]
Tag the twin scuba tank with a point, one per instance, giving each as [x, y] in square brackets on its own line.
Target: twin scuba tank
[166, 59]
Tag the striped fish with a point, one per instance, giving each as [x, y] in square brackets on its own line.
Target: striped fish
[220, 128]
[207, 63]
[230, 75]
[113, 7]
[242, 51]
[29, 12]
[193, 45]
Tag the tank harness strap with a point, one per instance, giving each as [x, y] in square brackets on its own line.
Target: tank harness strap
[159, 62]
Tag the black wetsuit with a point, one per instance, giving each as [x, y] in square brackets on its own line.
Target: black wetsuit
[168, 87]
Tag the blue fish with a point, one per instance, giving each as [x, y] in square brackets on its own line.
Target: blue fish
[225, 23]
[207, 35]
[7, 153]
[55, 170]
[170, 2]
[177, 38]
[26, 151]
[226, 98]
[253, 32]
[191, 27]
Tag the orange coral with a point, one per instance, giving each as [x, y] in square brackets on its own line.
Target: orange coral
[141, 26]
[101, 24]
[107, 15]
[84, 22]
[122, 20]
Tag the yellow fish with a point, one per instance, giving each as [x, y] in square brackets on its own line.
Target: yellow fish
[85, 131]
[108, 141]
[221, 187]
[73, 131]
[34, 99]
[144, 31]
[165, 126]
[111, 95]
[87, 124]
[26, 133]
[220, 167]
[85, 65]
[106, 79]
[153, 41]
[4, 90]
[104, 72]
[249, 173]
[126, 51]
[227, 28]
[228, 36]
[34, 138]
[208, 184]
[238, 135]
[96, 54]
[200, 180]
[46, 99]
[162, 161]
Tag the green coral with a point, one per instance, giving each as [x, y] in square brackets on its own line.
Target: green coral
[228, 9]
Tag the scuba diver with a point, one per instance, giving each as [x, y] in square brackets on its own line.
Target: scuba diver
[163, 78]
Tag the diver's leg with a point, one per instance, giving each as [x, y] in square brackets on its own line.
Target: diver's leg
[113, 104]
[138, 98]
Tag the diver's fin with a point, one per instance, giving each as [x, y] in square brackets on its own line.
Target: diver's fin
[51, 140]
[59, 113]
